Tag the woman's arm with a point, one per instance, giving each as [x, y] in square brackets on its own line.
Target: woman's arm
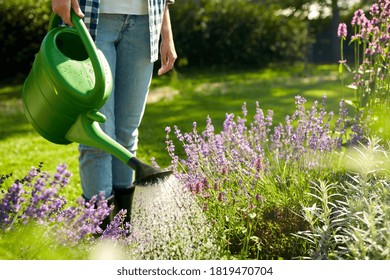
[167, 47]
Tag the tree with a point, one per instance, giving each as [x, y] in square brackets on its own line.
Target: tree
[332, 8]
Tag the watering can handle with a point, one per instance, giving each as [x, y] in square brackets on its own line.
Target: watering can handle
[97, 93]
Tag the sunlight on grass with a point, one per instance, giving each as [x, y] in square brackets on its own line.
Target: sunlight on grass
[198, 94]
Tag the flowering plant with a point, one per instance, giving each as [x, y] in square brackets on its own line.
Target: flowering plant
[372, 59]
[245, 172]
[36, 222]
[36, 199]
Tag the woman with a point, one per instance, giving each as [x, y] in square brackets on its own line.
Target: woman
[128, 33]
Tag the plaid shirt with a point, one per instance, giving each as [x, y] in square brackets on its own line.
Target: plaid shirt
[156, 12]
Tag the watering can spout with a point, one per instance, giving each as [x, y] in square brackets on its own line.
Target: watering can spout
[86, 130]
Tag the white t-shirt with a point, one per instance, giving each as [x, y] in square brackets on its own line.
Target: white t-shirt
[126, 7]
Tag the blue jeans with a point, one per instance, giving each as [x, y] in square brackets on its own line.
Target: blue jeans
[124, 40]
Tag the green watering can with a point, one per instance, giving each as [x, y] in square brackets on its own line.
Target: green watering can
[69, 82]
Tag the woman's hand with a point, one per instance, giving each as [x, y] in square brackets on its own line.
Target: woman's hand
[167, 47]
[168, 56]
[62, 8]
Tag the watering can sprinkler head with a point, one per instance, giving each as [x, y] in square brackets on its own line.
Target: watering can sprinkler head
[147, 174]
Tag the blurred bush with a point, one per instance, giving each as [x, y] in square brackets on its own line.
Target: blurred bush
[229, 33]
[234, 33]
[23, 25]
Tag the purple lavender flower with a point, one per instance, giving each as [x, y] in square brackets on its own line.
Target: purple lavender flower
[258, 197]
[61, 176]
[11, 204]
[117, 229]
[374, 10]
[37, 199]
[244, 110]
[32, 174]
[88, 218]
[367, 26]
[358, 17]
[342, 30]
[221, 196]
[386, 9]
[258, 164]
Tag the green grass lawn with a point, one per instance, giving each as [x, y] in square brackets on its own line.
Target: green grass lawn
[199, 93]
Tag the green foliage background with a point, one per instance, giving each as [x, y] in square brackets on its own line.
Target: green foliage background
[230, 33]
[236, 33]
[22, 28]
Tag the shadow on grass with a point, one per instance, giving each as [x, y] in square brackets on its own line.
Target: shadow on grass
[15, 125]
[12, 119]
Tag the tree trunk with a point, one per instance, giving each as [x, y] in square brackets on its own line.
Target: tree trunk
[335, 23]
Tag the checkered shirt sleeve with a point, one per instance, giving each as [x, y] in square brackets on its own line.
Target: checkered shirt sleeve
[90, 9]
[156, 12]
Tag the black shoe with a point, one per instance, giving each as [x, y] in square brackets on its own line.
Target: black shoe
[123, 199]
